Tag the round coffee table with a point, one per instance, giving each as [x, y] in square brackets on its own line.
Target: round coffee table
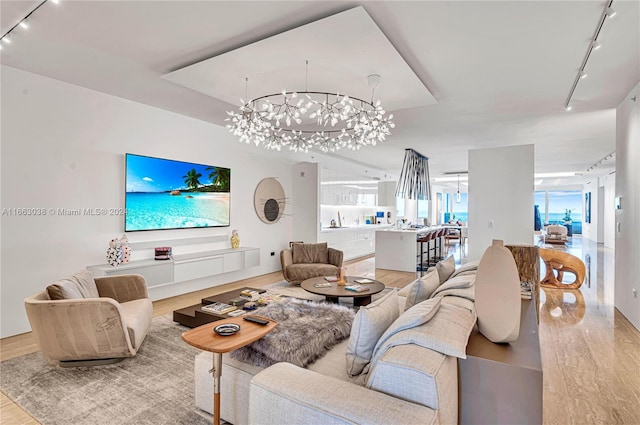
[334, 292]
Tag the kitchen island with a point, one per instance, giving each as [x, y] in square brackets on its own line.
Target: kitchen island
[397, 249]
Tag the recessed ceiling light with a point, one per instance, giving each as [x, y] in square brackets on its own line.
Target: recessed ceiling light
[583, 75]
[558, 174]
[595, 45]
[24, 24]
[610, 12]
[6, 39]
[450, 179]
[568, 107]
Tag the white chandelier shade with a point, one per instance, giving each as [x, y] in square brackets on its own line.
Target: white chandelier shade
[338, 121]
[414, 180]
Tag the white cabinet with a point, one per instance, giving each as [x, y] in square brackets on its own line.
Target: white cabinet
[251, 258]
[233, 261]
[353, 242]
[185, 267]
[154, 272]
[194, 268]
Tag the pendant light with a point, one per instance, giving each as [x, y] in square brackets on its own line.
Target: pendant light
[414, 177]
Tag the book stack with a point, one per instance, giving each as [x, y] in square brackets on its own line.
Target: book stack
[331, 278]
[363, 280]
[163, 253]
[239, 301]
[268, 298]
[525, 290]
[219, 308]
[356, 288]
[250, 295]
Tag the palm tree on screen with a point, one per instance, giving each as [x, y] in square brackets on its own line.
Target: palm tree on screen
[220, 177]
[191, 179]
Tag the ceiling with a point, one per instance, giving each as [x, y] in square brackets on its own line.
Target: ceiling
[499, 71]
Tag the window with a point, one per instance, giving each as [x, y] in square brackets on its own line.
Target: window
[400, 207]
[461, 209]
[423, 209]
[561, 204]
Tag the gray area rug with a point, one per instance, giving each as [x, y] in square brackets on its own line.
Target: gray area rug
[154, 387]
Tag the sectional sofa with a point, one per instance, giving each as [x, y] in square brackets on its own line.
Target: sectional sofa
[399, 365]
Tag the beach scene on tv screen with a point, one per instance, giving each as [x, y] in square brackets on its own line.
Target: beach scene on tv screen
[167, 194]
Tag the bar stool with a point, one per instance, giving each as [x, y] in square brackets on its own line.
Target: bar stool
[440, 240]
[432, 259]
[426, 238]
[421, 241]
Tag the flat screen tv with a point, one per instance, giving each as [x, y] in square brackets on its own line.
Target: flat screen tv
[165, 194]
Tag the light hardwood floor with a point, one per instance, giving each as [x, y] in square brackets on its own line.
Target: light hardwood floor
[590, 352]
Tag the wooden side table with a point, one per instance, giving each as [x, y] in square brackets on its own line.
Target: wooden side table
[204, 338]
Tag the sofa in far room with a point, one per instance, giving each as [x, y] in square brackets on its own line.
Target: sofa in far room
[556, 234]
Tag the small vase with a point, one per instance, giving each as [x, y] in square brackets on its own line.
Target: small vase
[114, 253]
[235, 239]
[126, 249]
[342, 276]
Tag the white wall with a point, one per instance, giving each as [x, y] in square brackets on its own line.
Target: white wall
[306, 202]
[63, 147]
[627, 219]
[501, 193]
[600, 213]
[591, 230]
[609, 211]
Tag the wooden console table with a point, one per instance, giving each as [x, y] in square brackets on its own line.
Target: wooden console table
[204, 338]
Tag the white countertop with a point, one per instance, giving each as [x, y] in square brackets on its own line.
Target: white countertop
[360, 227]
[423, 230]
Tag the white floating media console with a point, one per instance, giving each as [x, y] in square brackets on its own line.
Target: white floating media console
[185, 267]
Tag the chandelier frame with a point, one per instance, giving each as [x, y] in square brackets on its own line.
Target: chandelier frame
[259, 121]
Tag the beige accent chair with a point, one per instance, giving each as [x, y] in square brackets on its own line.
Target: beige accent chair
[306, 260]
[80, 321]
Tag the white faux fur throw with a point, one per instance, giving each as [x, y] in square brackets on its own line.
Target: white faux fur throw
[306, 331]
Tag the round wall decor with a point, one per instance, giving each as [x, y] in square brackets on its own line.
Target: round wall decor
[269, 200]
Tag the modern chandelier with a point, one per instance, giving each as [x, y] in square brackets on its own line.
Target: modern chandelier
[301, 120]
[414, 180]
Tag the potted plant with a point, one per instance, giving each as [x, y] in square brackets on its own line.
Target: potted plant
[567, 222]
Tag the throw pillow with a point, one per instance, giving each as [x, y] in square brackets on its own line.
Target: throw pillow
[310, 253]
[86, 284]
[447, 332]
[78, 285]
[446, 268]
[370, 323]
[415, 316]
[405, 291]
[63, 290]
[458, 282]
[422, 289]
